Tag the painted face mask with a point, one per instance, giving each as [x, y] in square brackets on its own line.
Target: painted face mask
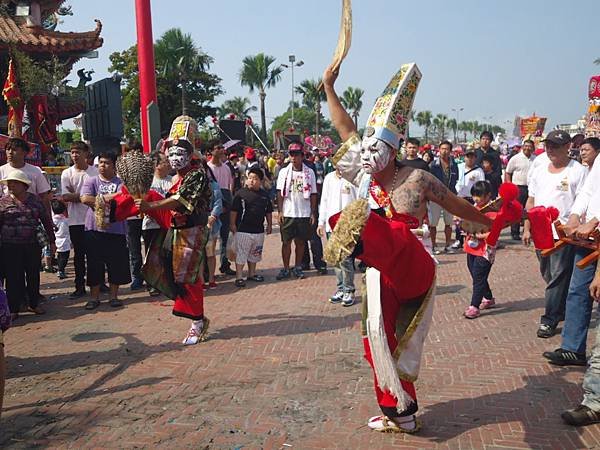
[178, 157]
[374, 154]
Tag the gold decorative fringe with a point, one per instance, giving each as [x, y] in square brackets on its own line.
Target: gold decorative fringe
[346, 233]
[99, 212]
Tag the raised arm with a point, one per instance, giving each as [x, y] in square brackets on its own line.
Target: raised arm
[341, 119]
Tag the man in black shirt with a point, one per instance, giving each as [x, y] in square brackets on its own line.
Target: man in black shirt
[251, 205]
[412, 155]
[485, 140]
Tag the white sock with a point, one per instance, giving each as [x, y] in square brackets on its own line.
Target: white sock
[197, 325]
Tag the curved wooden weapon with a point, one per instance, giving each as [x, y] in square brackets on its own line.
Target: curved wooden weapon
[344, 38]
[592, 243]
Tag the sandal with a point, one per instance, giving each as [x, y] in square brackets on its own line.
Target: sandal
[257, 278]
[240, 283]
[384, 424]
[92, 304]
[116, 303]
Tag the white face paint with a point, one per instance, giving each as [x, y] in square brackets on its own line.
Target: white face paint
[178, 157]
[375, 154]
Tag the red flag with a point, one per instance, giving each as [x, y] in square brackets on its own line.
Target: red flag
[12, 96]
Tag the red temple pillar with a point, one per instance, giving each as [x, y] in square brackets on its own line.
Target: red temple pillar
[148, 99]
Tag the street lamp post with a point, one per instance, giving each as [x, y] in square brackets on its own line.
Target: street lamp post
[457, 112]
[292, 64]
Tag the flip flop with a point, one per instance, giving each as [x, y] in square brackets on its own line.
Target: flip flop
[257, 278]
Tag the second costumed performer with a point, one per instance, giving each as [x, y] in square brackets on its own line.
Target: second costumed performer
[174, 259]
[379, 228]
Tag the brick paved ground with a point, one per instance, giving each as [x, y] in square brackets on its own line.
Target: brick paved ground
[283, 369]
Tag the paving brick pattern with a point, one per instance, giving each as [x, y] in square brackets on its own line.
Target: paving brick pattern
[283, 369]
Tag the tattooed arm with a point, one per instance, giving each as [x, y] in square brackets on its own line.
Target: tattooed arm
[436, 192]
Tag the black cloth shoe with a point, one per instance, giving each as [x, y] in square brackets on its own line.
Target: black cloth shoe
[546, 331]
[78, 293]
[582, 415]
[227, 271]
[562, 357]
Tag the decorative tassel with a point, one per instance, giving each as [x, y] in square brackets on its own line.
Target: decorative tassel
[346, 232]
[100, 213]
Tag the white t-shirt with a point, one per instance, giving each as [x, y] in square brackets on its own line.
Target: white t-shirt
[71, 181]
[39, 183]
[518, 167]
[337, 193]
[587, 204]
[540, 159]
[61, 232]
[162, 186]
[466, 182]
[292, 190]
[557, 189]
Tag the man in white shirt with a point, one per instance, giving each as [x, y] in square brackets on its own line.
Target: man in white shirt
[469, 173]
[16, 150]
[71, 181]
[224, 177]
[578, 309]
[557, 184]
[297, 208]
[336, 195]
[516, 172]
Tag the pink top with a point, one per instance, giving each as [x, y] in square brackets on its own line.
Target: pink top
[223, 175]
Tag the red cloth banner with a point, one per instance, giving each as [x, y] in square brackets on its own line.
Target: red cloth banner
[12, 96]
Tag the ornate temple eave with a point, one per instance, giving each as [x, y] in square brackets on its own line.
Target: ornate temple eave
[41, 41]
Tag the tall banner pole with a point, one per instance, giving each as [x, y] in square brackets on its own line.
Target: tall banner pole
[148, 98]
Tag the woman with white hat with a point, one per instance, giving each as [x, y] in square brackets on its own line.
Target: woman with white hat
[21, 214]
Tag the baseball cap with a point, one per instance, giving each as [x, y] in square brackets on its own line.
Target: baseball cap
[558, 137]
[469, 151]
[249, 153]
[295, 148]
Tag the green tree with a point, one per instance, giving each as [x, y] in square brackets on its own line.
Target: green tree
[439, 124]
[305, 120]
[352, 100]
[312, 97]
[240, 106]
[196, 91]
[464, 128]
[424, 119]
[452, 125]
[259, 74]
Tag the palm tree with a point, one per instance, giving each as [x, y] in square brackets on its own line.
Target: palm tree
[451, 124]
[424, 118]
[597, 61]
[180, 55]
[475, 127]
[439, 123]
[464, 127]
[259, 74]
[312, 97]
[240, 106]
[352, 100]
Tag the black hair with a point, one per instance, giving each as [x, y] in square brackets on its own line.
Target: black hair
[155, 156]
[257, 171]
[136, 146]
[413, 141]
[481, 188]
[488, 134]
[58, 207]
[446, 143]
[593, 141]
[214, 143]
[79, 145]
[14, 143]
[108, 154]
[529, 141]
[488, 158]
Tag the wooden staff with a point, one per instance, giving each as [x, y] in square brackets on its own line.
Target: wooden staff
[592, 243]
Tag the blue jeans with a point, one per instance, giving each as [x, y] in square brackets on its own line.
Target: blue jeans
[345, 276]
[591, 379]
[479, 268]
[134, 242]
[556, 270]
[578, 310]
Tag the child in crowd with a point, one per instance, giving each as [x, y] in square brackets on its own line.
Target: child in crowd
[251, 205]
[61, 232]
[480, 257]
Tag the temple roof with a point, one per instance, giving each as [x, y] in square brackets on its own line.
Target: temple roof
[39, 40]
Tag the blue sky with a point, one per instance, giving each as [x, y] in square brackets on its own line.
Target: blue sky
[493, 58]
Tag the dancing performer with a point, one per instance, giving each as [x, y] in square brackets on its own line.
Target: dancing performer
[175, 256]
[377, 229]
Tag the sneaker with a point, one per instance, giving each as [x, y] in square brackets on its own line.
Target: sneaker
[227, 271]
[298, 273]
[49, 270]
[582, 415]
[62, 275]
[322, 270]
[472, 312]
[384, 424]
[457, 245]
[137, 284]
[348, 299]
[283, 274]
[154, 292]
[437, 251]
[337, 297]
[212, 285]
[487, 303]
[546, 331]
[78, 293]
[449, 249]
[561, 357]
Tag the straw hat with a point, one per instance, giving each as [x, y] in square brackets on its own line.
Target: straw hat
[17, 175]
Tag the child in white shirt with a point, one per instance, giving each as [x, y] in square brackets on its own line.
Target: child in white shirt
[63, 240]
